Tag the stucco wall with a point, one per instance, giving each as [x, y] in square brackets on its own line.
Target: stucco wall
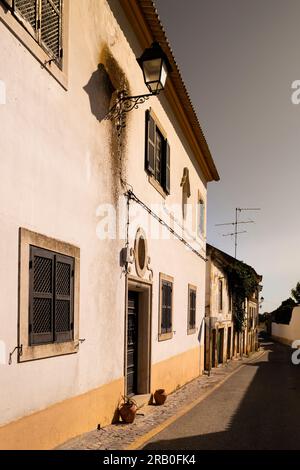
[56, 168]
[58, 165]
[288, 333]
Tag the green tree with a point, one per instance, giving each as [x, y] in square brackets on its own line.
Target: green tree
[296, 293]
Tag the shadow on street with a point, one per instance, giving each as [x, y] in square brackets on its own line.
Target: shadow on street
[257, 408]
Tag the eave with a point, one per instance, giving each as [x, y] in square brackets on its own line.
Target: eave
[144, 20]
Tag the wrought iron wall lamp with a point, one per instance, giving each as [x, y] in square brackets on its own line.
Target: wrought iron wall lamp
[155, 67]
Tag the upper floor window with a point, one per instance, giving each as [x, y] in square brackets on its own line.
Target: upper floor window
[220, 292]
[157, 161]
[201, 218]
[43, 19]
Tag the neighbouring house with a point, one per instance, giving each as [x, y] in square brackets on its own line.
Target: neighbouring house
[224, 339]
[103, 234]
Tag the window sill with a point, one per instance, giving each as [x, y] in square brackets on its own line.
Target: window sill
[157, 186]
[165, 336]
[43, 351]
[33, 47]
[191, 331]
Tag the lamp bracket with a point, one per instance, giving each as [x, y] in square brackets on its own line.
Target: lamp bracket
[124, 105]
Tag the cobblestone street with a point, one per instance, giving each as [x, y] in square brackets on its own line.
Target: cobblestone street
[123, 436]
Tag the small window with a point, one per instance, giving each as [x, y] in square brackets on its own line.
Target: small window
[157, 161]
[51, 286]
[220, 291]
[201, 218]
[166, 307]
[48, 298]
[192, 310]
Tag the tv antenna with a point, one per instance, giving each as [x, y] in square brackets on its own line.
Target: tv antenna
[236, 224]
[231, 234]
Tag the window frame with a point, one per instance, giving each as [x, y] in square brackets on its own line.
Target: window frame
[20, 29]
[28, 352]
[163, 336]
[191, 330]
[165, 165]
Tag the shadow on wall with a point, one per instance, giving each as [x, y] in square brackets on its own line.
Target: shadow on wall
[265, 416]
[99, 89]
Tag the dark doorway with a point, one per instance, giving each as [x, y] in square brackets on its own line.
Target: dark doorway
[213, 350]
[229, 343]
[220, 345]
[132, 343]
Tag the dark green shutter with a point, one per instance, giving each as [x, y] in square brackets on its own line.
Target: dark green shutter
[192, 313]
[167, 168]
[166, 307]
[64, 298]
[41, 275]
[150, 144]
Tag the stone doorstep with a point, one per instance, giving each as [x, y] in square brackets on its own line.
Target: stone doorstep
[142, 400]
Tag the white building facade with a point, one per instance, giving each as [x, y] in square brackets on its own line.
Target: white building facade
[102, 238]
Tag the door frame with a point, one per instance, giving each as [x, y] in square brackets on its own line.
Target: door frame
[144, 289]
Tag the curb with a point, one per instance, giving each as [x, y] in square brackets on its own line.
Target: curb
[146, 437]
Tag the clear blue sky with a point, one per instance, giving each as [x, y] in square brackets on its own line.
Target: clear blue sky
[238, 59]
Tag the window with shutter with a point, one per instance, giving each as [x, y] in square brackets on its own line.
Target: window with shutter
[166, 307]
[44, 21]
[51, 292]
[157, 151]
[192, 309]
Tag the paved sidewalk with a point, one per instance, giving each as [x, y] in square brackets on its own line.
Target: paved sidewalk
[121, 436]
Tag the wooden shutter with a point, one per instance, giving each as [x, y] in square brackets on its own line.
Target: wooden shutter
[64, 298]
[51, 27]
[166, 307]
[192, 313]
[166, 182]
[150, 144]
[27, 11]
[41, 274]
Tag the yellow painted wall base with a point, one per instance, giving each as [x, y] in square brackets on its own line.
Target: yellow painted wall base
[177, 370]
[48, 428]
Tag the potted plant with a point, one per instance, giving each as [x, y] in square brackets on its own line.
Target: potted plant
[160, 396]
[128, 409]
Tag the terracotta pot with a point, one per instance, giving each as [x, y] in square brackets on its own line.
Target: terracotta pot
[128, 412]
[160, 396]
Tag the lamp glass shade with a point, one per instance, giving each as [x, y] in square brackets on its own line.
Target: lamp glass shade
[155, 66]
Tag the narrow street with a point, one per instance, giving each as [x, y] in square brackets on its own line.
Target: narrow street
[256, 408]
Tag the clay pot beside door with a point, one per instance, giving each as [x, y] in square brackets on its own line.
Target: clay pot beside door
[160, 396]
